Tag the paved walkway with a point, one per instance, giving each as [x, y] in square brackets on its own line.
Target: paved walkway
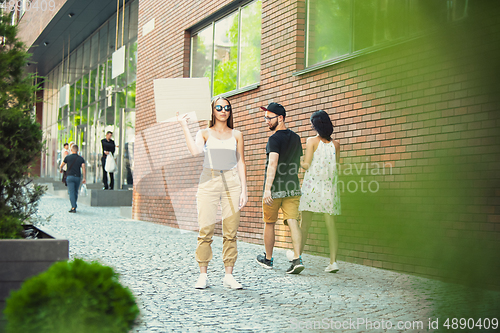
[157, 264]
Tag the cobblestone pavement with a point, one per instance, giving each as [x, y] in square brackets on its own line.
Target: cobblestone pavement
[157, 263]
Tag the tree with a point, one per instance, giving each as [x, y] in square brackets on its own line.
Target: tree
[20, 134]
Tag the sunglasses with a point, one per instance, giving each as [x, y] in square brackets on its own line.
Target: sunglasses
[270, 118]
[225, 107]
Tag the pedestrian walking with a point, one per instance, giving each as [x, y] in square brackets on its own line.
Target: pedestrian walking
[108, 147]
[320, 192]
[223, 181]
[74, 176]
[281, 186]
[64, 153]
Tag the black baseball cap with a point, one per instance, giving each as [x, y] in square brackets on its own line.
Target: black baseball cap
[275, 108]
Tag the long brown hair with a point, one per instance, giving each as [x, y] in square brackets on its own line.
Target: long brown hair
[322, 124]
[229, 119]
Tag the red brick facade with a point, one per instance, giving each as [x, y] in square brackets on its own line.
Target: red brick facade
[426, 110]
[35, 20]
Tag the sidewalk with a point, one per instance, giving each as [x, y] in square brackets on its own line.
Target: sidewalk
[157, 263]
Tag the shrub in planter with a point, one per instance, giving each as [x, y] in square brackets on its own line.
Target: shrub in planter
[74, 297]
[21, 138]
[10, 227]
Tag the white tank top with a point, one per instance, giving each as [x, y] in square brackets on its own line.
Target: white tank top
[220, 154]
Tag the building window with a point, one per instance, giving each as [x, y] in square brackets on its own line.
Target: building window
[338, 29]
[22, 7]
[227, 51]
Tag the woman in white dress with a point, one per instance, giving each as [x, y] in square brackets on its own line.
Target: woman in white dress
[320, 193]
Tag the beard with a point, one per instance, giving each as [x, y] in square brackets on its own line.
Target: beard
[273, 127]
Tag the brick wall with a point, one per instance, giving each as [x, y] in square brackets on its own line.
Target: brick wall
[425, 112]
[35, 20]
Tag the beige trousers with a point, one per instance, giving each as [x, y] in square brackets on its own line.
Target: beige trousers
[216, 187]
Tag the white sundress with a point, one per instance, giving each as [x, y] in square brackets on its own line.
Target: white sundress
[320, 192]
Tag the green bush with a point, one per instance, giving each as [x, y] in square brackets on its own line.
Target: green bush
[73, 297]
[10, 227]
[21, 138]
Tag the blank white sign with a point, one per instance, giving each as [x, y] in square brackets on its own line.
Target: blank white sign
[148, 27]
[183, 96]
[118, 62]
[64, 95]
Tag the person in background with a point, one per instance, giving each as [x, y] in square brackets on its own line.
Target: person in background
[128, 157]
[74, 176]
[320, 193]
[64, 153]
[108, 147]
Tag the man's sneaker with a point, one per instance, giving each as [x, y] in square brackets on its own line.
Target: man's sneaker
[332, 268]
[289, 255]
[230, 282]
[72, 210]
[202, 281]
[266, 263]
[296, 266]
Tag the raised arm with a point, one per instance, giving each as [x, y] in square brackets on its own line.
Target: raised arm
[242, 169]
[195, 146]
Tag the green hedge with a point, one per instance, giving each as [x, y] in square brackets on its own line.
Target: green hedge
[73, 297]
[10, 227]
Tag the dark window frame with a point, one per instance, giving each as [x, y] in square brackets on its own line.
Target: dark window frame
[210, 21]
[409, 35]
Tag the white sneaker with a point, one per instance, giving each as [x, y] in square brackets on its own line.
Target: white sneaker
[230, 282]
[289, 255]
[202, 281]
[332, 268]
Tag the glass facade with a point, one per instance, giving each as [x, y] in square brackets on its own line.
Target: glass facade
[97, 102]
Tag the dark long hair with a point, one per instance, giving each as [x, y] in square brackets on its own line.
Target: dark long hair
[229, 119]
[322, 124]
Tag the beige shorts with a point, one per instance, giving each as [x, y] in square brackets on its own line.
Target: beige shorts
[289, 206]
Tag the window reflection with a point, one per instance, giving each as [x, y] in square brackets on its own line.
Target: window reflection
[228, 51]
[338, 28]
[90, 113]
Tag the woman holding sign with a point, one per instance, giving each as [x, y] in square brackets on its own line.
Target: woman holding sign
[223, 181]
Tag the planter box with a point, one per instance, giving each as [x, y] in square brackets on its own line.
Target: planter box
[21, 259]
[105, 198]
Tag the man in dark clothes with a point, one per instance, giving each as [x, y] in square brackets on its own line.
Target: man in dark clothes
[108, 147]
[74, 176]
[281, 186]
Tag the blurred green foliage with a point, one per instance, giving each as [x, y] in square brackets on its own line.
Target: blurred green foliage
[436, 214]
[76, 297]
[20, 135]
[10, 227]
